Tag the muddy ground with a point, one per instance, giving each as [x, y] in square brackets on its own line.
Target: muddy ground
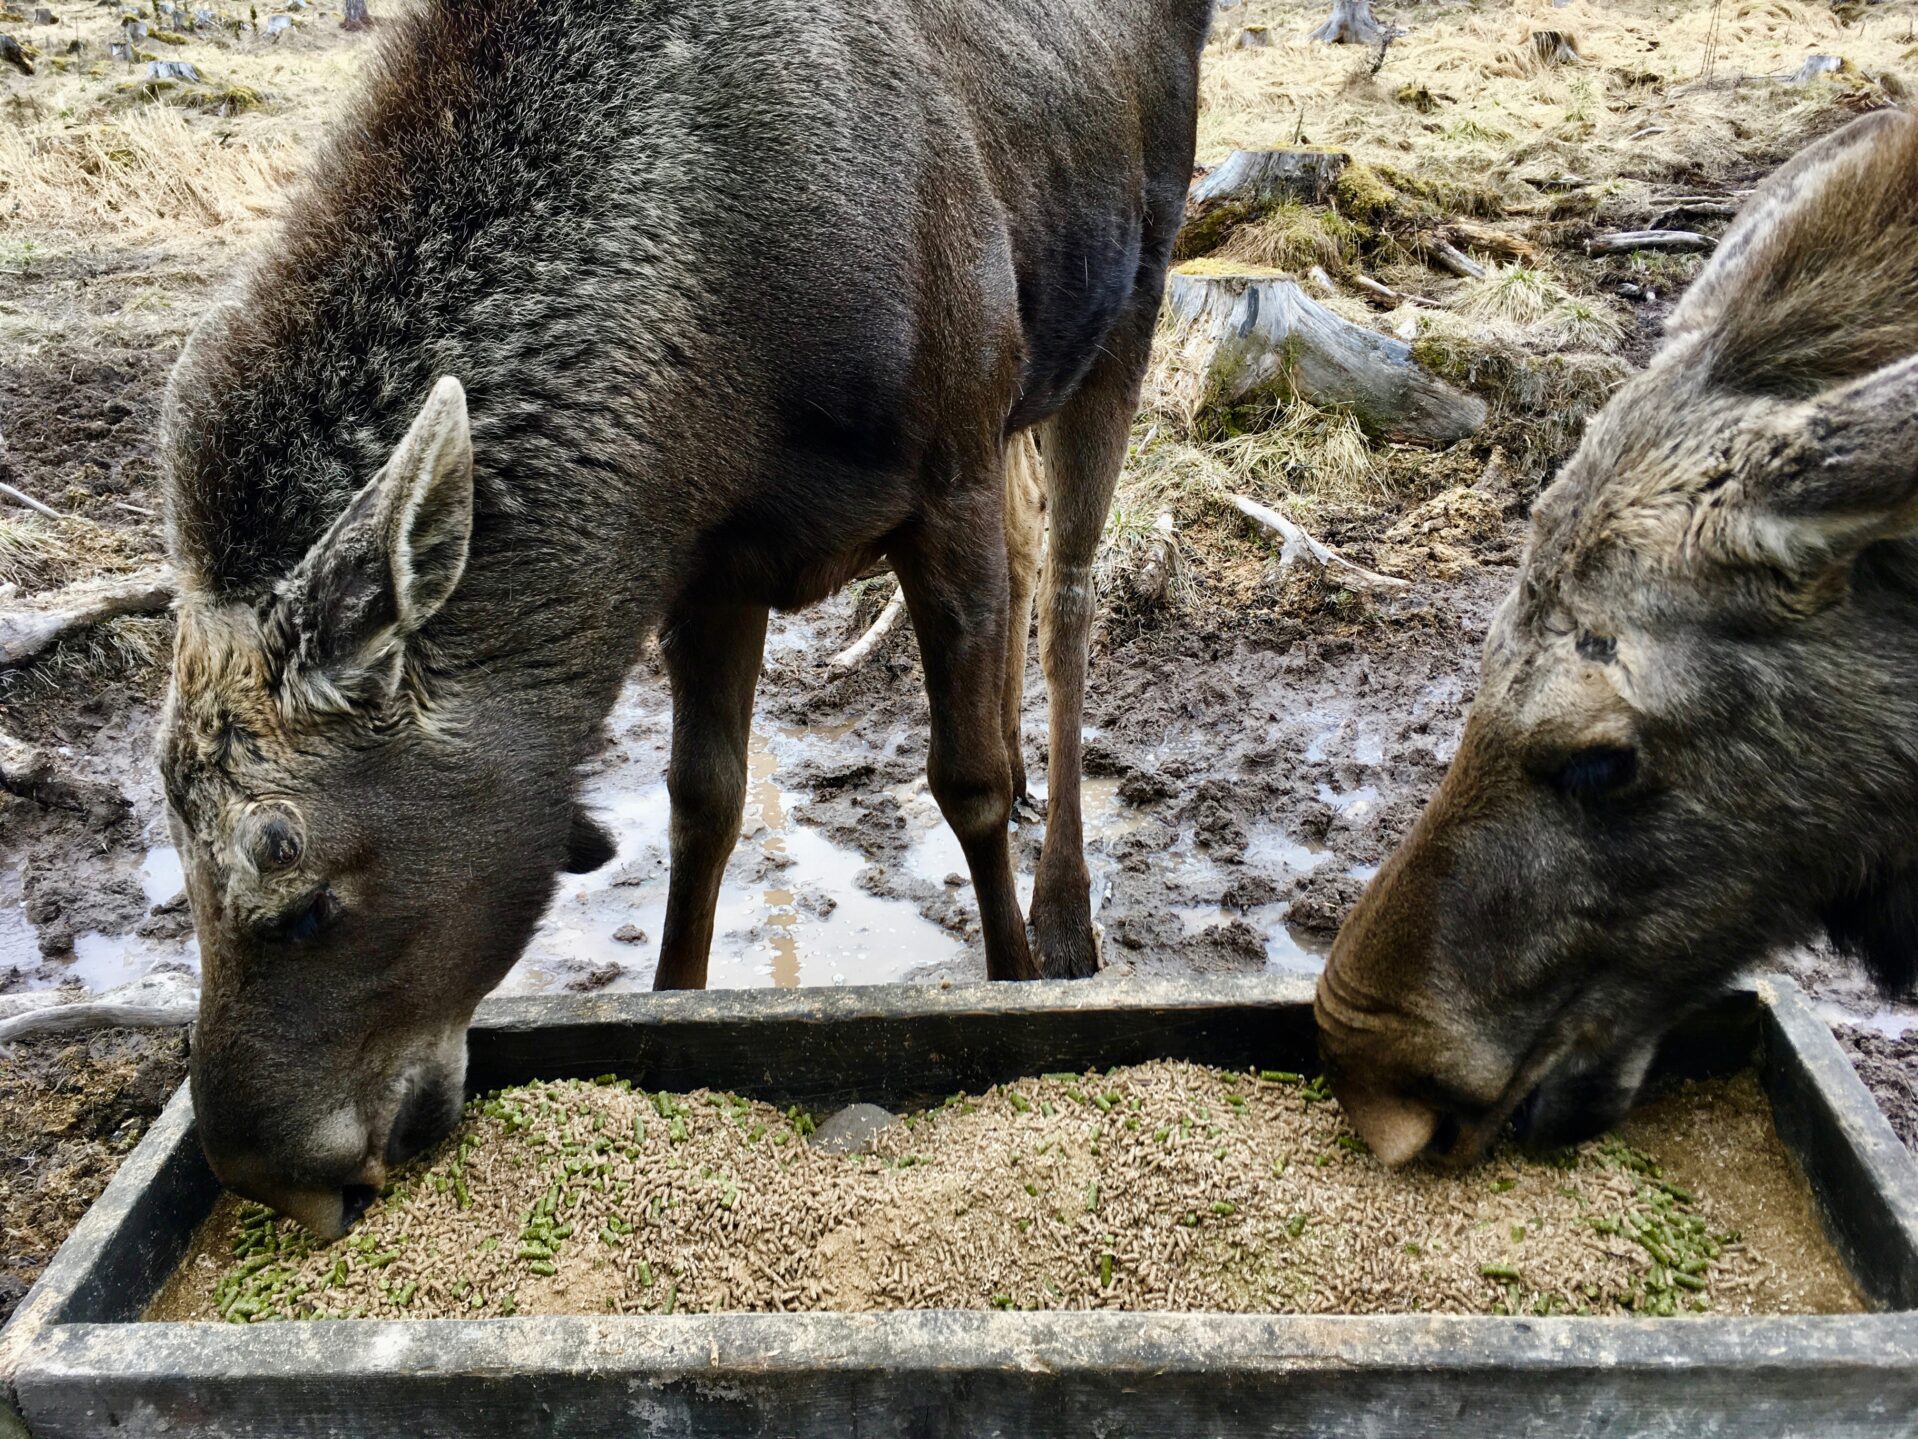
[73, 1109]
[1259, 740]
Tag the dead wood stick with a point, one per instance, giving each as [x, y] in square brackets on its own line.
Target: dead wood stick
[1298, 543]
[1383, 292]
[1450, 257]
[1628, 240]
[37, 774]
[24, 633]
[856, 653]
[94, 1014]
[1684, 209]
[21, 497]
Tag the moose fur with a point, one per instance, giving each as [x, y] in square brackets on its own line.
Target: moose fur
[1696, 736]
[603, 319]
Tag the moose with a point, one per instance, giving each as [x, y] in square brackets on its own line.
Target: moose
[602, 320]
[1696, 731]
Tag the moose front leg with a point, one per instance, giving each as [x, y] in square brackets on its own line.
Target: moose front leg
[713, 654]
[954, 576]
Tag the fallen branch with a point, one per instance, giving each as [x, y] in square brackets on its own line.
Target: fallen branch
[1385, 294]
[37, 774]
[95, 1014]
[1450, 257]
[1628, 240]
[1690, 209]
[25, 633]
[21, 497]
[1297, 543]
[856, 653]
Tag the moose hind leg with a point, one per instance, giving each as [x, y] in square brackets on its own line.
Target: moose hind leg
[1025, 533]
[1084, 448]
[712, 657]
[953, 572]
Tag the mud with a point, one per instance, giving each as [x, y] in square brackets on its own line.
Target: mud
[73, 1109]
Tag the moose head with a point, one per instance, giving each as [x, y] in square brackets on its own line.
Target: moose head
[367, 833]
[1696, 733]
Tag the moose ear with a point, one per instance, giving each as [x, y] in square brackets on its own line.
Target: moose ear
[389, 562]
[1840, 471]
[588, 845]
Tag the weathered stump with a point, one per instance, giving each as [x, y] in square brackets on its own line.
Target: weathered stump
[1237, 336]
[1249, 184]
[355, 16]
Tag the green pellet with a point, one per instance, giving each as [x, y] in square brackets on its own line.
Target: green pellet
[1221, 1206]
[1105, 1271]
[1019, 1102]
[1279, 1076]
[543, 1266]
[1499, 1271]
[407, 1291]
[672, 1298]
[645, 1272]
[1092, 1196]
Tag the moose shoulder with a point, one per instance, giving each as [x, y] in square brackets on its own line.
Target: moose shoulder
[602, 320]
[1696, 733]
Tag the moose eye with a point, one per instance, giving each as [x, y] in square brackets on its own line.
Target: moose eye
[308, 918]
[1596, 771]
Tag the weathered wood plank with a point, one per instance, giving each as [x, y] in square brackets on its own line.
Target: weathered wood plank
[81, 1371]
[933, 1374]
[1864, 1179]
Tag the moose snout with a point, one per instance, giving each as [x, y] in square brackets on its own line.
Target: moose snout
[1411, 1083]
[325, 1180]
[325, 1168]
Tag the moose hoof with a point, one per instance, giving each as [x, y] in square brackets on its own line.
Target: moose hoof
[1066, 948]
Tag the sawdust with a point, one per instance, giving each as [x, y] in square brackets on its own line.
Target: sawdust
[1164, 1186]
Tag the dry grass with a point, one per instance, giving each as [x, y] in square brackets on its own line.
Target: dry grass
[91, 151]
[1465, 113]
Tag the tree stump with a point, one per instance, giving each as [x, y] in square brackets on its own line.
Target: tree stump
[1351, 23]
[355, 16]
[1249, 184]
[1238, 336]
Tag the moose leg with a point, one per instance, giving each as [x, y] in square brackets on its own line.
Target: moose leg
[712, 657]
[1025, 532]
[1085, 446]
[953, 572]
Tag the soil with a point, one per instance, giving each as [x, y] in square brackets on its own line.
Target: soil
[1155, 1186]
[1889, 1066]
[73, 1109]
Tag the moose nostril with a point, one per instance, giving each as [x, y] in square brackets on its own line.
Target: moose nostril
[355, 1200]
[1445, 1136]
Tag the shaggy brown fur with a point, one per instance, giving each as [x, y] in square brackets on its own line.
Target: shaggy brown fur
[1697, 732]
[600, 319]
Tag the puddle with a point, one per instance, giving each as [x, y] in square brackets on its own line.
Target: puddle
[19, 945]
[106, 961]
[791, 908]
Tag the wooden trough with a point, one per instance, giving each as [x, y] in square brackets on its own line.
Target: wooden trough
[81, 1367]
